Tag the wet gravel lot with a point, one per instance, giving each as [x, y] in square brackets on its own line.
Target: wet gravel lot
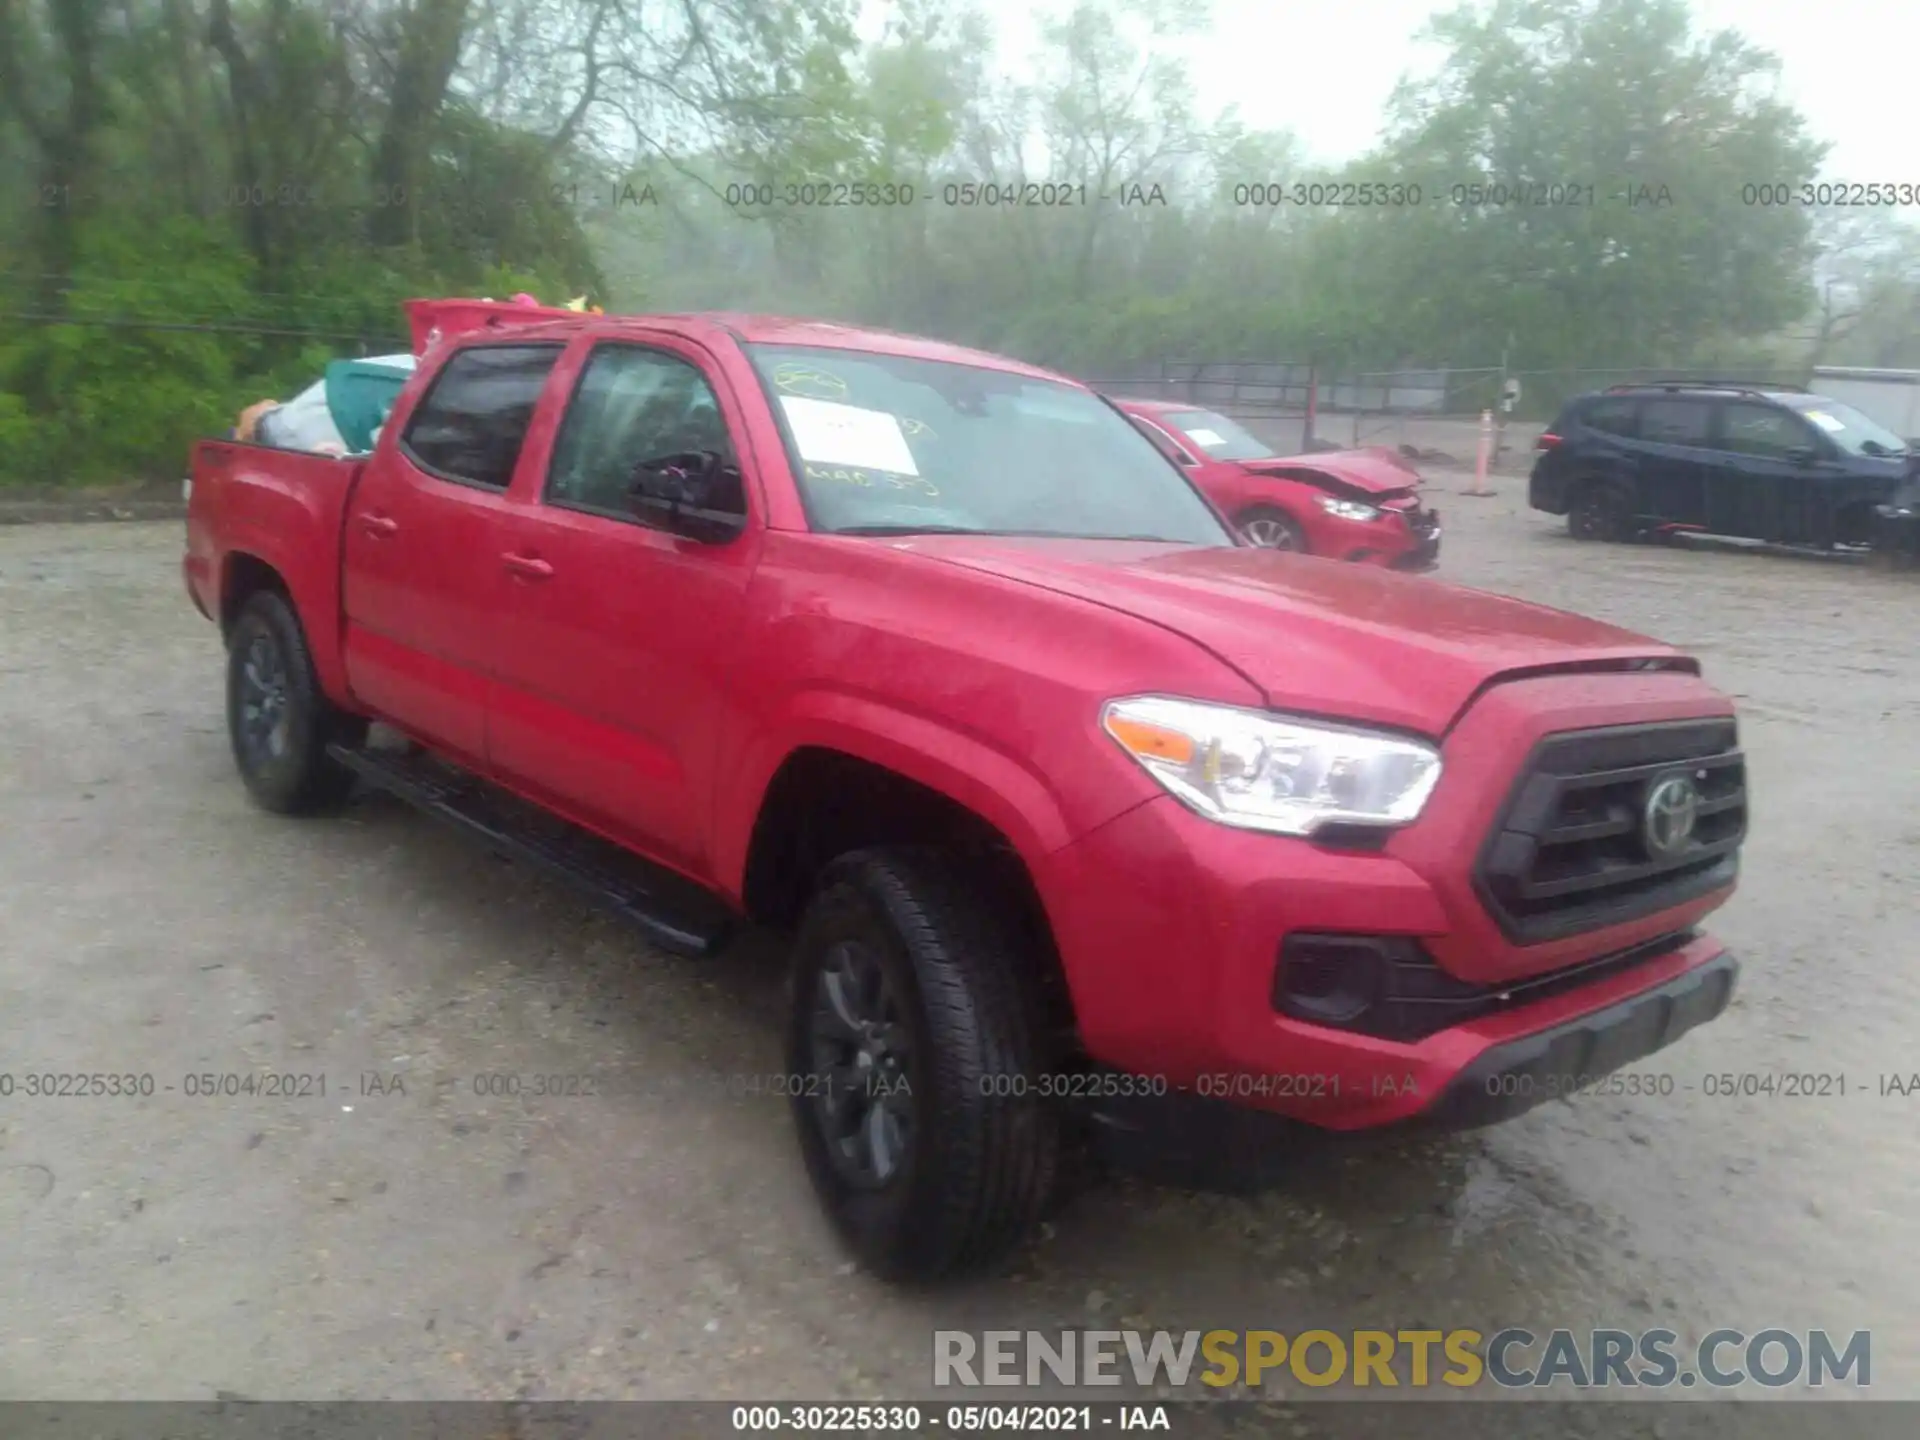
[403, 1236]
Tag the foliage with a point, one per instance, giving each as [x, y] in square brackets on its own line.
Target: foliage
[112, 398]
[271, 177]
[201, 200]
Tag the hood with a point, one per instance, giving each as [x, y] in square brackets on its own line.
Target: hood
[1372, 471]
[1318, 637]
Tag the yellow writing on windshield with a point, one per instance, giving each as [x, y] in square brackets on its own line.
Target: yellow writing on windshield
[809, 380]
[868, 478]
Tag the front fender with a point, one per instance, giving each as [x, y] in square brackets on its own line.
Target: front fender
[994, 785]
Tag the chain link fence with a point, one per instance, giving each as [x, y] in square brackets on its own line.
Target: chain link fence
[1432, 414]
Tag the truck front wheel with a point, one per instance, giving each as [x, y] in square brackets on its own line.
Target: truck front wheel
[915, 1054]
[279, 720]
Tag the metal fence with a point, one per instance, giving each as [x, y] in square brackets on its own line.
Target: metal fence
[1286, 387]
[1240, 387]
[1298, 406]
[1433, 414]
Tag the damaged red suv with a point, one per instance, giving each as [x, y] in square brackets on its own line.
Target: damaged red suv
[1361, 505]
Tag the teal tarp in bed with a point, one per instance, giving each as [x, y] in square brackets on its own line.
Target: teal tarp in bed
[359, 395]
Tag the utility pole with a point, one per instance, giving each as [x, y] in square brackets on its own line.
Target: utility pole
[1313, 406]
[1506, 404]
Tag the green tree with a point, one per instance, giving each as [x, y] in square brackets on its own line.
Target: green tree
[1619, 100]
[204, 197]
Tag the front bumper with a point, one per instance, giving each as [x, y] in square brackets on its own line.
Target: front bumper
[1425, 526]
[1401, 539]
[1511, 1078]
[1183, 1138]
[1173, 933]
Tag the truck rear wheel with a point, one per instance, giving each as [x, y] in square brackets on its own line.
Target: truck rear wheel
[915, 1047]
[279, 720]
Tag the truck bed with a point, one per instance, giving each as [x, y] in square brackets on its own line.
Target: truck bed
[285, 506]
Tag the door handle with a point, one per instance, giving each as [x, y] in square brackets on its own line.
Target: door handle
[527, 567]
[379, 526]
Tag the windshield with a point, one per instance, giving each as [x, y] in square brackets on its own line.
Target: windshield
[883, 444]
[1220, 437]
[1848, 428]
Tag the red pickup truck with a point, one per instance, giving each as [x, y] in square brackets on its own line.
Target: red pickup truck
[1097, 830]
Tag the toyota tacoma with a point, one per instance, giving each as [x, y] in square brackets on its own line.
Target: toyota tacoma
[1096, 829]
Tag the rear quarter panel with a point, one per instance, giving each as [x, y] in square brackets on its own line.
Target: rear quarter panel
[284, 508]
[1598, 455]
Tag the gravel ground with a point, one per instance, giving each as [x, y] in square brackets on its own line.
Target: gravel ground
[405, 1237]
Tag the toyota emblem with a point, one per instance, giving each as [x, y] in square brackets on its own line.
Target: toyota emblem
[1666, 824]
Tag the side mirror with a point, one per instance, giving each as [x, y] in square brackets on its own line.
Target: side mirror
[695, 494]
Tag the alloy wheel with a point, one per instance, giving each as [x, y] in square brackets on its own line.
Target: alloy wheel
[1270, 533]
[265, 716]
[860, 1050]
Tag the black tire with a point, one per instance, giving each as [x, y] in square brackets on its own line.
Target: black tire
[1893, 545]
[957, 1011]
[1890, 561]
[1600, 510]
[1271, 529]
[279, 721]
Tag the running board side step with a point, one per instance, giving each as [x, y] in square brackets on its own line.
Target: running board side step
[674, 913]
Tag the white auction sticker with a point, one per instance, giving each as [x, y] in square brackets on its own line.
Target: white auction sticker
[1823, 420]
[1205, 437]
[829, 433]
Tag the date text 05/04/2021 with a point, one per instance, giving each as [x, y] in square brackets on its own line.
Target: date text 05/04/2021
[270, 1084]
[1011, 1418]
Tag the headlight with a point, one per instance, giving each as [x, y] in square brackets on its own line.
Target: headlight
[1270, 772]
[1347, 509]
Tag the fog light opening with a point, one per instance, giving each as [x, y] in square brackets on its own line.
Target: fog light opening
[1329, 979]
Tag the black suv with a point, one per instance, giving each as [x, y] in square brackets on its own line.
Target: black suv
[1772, 463]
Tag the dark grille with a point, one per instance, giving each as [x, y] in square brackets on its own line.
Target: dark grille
[1571, 851]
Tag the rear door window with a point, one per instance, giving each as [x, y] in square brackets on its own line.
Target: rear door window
[469, 427]
[1674, 422]
[1613, 416]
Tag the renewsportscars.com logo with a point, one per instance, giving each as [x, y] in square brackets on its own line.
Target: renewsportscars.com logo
[1513, 1358]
